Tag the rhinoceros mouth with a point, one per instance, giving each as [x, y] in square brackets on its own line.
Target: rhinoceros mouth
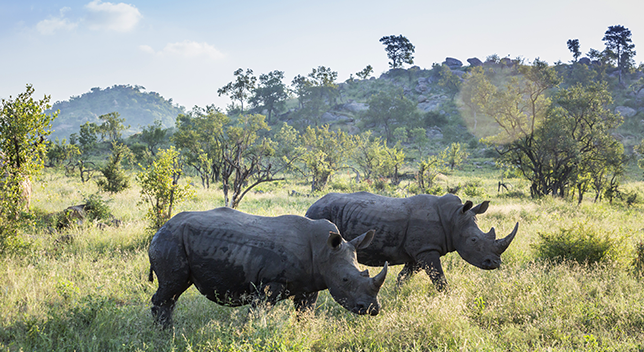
[361, 309]
[490, 264]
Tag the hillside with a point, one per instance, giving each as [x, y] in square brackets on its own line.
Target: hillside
[139, 109]
[435, 92]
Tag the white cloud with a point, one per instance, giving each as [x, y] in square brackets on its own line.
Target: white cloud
[52, 24]
[187, 49]
[119, 17]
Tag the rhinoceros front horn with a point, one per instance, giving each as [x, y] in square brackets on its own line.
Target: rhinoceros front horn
[379, 279]
[503, 243]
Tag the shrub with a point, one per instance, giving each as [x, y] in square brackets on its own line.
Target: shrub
[473, 188]
[96, 208]
[584, 245]
[115, 179]
[638, 261]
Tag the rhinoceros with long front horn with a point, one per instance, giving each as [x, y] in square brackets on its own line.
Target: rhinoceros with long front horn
[414, 231]
[235, 259]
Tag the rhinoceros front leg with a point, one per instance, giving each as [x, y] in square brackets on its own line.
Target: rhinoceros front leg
[305, 302]
[431, 262]
[407, 271]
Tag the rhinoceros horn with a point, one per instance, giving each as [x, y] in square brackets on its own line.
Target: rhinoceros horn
[379, 279]
[503, 243]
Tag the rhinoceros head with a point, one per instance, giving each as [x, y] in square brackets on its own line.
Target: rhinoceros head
[475, 246]
[351, 288]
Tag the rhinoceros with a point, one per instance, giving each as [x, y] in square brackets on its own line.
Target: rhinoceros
[414, 231]
[234, 258]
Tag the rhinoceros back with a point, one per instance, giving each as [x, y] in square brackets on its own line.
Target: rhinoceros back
[404, 226]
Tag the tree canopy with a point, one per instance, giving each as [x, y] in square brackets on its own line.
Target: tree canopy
[399, 50]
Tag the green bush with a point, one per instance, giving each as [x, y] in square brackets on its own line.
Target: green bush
[582, 244]
[638, 261]
[96, 208]
[473, 188]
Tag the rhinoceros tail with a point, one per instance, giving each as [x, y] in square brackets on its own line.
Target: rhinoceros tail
[151, 276]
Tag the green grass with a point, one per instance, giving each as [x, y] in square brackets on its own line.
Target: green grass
[91, 293]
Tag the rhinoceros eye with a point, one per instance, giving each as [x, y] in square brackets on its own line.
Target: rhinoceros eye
[473, 239]
[345, 279]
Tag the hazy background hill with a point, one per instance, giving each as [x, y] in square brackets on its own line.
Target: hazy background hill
[139, 108]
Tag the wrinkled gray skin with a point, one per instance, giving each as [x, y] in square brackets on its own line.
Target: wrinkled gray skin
[414, 231]
[235, 259]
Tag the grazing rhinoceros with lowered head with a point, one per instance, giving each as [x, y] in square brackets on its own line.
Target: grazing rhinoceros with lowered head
[235, 259]
[414, 231]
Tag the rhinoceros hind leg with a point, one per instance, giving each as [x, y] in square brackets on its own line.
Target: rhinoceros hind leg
[164, 300]
[305, 302]
[410, 269]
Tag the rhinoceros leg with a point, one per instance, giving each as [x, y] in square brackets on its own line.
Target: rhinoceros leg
[407, 271]
[431, 263]
[268, 295]
[171, 286]
[305, 302]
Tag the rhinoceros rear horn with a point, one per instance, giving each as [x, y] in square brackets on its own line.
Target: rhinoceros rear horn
[503, 243]
[379, 279]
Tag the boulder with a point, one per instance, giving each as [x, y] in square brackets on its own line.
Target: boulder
[331, 117]
[453, 63]
[355, 107]
[474, 61]
[585, 61]
[625, 111]
[508, 62]
[422, 88]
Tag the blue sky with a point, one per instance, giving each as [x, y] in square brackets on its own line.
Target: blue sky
[186, 50]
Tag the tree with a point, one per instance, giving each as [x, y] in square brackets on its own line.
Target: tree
[419, 140]
[365, 73]
[112, 126]
[428, 170]
[475, 90]
[449, 81]
[60, 152]
[619, 48]
[454, 155]
[271, 94]
[115, 180]
[368, 153]
[639, 149]
[87, 136]
[390, 109]
[316, 93]
[160, 188]
[399, 50]
[519, 109]
[325, 153]
[198, 136]
[246, 158]
[573, 46]
[24, 126]
[241, 88]
[153, 135]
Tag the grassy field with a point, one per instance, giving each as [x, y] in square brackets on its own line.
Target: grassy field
[86, 288]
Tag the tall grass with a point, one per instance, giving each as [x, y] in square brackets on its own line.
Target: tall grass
[90, 291]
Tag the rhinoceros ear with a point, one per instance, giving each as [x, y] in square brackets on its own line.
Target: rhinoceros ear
[481, 208]
[467, 206]
[335, 240]
[363, 241]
